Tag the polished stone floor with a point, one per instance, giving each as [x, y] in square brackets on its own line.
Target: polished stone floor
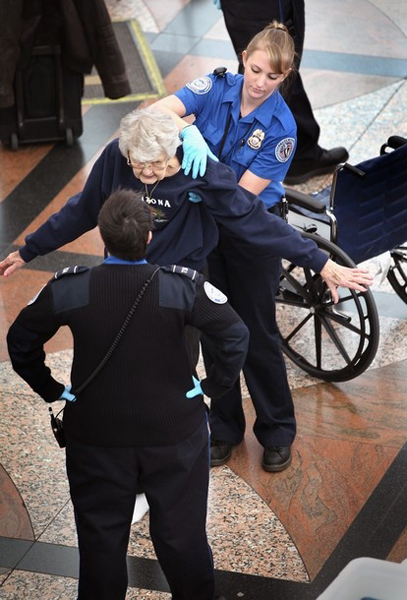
[281, 536]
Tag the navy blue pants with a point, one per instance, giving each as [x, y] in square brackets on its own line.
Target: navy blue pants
[251, 286]
[103, 482]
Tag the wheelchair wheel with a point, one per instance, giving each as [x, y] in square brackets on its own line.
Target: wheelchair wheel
[397, 274]
[333, 342]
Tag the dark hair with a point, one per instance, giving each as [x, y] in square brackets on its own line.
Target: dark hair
[124, 222]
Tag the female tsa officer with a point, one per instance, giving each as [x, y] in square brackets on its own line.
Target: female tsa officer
[247, 124]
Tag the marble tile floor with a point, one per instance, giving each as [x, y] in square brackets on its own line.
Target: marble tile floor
[282, 536]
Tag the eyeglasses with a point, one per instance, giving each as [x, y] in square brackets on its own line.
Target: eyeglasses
[156, 165]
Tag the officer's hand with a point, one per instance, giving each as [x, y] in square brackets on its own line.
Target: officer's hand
[11, 263]
[196, 390]
[195, 198]
[217, 4]
[196, 151]
[66, 395]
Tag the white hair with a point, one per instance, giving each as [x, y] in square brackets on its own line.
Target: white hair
[147, 134]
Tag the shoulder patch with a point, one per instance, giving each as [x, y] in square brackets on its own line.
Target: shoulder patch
[186, 271]
[200, 86]
[214, 294]
[70, 271]
[284, 149]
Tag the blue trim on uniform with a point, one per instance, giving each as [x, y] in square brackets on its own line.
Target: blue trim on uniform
[113, 260]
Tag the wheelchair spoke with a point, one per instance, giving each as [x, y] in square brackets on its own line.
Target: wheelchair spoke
[298, 328]
[332, 342]
[344, 321]
[397, 274]
[318, 341]
[335, 339]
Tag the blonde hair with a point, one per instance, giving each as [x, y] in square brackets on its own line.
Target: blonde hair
[147, 134]
[277, 43]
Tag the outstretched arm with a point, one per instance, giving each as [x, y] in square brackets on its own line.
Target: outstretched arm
[336, 276]
[11, 263]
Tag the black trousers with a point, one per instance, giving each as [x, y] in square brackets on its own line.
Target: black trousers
[251, 288]
[243, 20]
[103, 483]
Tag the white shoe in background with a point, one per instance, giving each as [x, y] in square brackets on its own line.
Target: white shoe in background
[140, 508]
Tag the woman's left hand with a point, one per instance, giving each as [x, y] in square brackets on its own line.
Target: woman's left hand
[336, 276]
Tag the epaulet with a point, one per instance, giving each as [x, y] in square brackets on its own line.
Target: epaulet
[179, 270]
[70, 271]
[219, 71]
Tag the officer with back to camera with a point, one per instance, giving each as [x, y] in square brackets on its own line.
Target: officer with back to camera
[138, 422]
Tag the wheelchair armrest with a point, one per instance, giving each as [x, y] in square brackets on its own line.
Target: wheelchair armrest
[304, 200]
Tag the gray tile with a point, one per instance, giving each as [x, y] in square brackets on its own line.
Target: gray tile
[167, 61]
[175, 43]
[214, 48]
[354, 63]
[52, 559]
[196, 18]
[12, 551]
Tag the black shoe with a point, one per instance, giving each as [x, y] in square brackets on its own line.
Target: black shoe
[220, 452]
[326, 163]
[276, 458]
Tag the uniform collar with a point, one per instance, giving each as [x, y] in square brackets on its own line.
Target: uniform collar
[113, 260]
[264, 113]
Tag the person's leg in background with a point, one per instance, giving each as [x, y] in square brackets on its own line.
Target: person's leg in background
[243, 20]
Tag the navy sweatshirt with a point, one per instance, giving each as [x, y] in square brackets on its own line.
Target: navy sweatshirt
[185, 232]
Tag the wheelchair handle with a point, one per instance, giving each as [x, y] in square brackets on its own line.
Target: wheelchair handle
[304, 200]
[354, 170]
[394, 142]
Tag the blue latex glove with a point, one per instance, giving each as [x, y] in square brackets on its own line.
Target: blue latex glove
[196, 151]
[196, 390]
[217, 4]
[66, 395]
[195, 198]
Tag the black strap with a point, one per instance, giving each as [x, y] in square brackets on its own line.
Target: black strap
[225, 133]
[118, 336]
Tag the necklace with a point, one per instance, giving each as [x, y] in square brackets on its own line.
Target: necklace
[149, 194]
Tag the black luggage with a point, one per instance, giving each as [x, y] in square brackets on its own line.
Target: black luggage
[47, 102]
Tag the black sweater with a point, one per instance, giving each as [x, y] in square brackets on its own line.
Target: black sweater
[138, 398]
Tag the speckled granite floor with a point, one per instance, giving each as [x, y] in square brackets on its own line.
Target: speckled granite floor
[284, 535]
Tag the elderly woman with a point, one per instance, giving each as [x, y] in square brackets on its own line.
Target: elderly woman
[147, 157]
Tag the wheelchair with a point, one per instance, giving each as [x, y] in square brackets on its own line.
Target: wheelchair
[362, 215]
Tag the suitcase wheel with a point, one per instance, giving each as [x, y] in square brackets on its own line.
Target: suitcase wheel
[13, 141]
[69, 137]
